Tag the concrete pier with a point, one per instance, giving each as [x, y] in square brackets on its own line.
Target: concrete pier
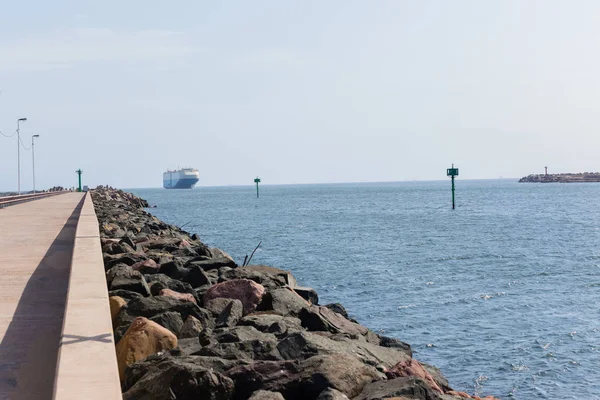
[40, 250]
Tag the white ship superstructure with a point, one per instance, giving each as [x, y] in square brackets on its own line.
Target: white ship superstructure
[184, 178]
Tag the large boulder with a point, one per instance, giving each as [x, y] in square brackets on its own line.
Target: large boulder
[272, 323]
[412, 367]
[174, 378]
[317, 318]
[170, 320]
[303, 345]
[248, 292]
[302, 380]
[239, 343]
[143, 338]
[174, 269]
[151, 306]
[126, 278]
[212, 263]
[231, 314]
[308, 294]
[284, 302]
[196, 277]
[216, 306]
[269, 277]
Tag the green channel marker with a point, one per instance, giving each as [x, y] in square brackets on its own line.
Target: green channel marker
[79, 172]
[452, 172]
[257, 181]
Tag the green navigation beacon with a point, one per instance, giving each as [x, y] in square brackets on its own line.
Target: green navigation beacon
[79, 172]
[257, 181]
[452, 172]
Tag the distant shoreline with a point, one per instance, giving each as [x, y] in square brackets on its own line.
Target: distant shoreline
[562, 178]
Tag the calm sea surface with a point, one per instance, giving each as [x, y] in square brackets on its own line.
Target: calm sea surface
[502, 294]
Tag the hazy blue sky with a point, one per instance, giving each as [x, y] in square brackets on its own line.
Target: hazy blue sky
[303, 91]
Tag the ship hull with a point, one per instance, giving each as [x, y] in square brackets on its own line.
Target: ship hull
[181, 179]
[180, 183]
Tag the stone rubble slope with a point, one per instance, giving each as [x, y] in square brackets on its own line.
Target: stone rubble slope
[190, 323]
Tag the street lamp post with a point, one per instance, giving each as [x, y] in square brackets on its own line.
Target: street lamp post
[33, 159]
[19, 155]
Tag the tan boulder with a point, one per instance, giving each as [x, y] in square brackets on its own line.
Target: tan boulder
[142, 339]
[179, 296]
[116, 304]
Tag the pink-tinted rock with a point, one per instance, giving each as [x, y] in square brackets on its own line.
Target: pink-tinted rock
[412, 367]
[146, 266]
[177, 295]
[244, 290]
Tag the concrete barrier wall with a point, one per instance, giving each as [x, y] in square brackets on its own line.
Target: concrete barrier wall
[87, 363]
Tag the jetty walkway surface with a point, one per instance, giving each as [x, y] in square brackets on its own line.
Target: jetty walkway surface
[55, 328]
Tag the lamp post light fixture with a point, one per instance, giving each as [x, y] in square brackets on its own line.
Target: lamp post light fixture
[19, 155]
[33, 159]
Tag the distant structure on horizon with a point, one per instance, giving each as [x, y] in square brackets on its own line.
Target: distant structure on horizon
[184, 178]
[562, 178]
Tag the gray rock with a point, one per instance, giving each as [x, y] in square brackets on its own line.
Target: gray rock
[170, 320]
[126, 278]
[302, 380]
[125, 294]
[332, 394]
[272, 323]
[175, 378]
[303, 345]
[191, 328]
[266, 395]
[308, 294]
[269, 277]
[196, 277]
[213, 263]
[239, 343]
[151, 306]
[395, 344]
[284, 302]
[174, 269]
[216, 306]
[230, 315]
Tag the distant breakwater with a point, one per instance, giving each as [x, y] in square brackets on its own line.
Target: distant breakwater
[191, 323]
[562, 178]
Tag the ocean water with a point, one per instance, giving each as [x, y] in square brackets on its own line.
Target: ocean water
[502, 293]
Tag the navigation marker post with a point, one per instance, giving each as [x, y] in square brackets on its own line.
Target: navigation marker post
[452, 172]
[79, 172]
[257, 181]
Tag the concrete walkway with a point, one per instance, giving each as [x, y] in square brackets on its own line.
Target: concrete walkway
[36, 245]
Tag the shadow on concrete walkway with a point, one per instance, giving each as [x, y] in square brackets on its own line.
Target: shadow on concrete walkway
[29, 349]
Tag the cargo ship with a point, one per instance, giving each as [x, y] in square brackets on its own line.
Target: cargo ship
[184, 178]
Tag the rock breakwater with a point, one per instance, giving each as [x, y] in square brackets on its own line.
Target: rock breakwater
[562, 178]
[190, 323]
